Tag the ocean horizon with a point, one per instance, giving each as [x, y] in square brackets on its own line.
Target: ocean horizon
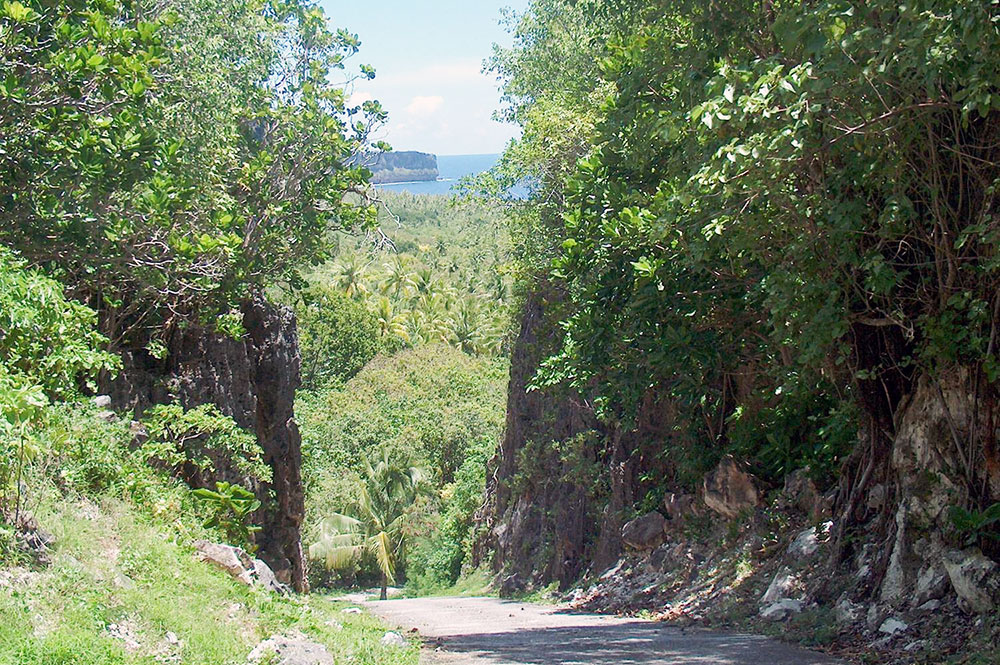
[451, 169]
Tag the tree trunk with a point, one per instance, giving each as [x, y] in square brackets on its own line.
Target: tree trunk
[385, 588]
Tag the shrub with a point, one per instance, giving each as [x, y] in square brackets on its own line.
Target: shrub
[337, 336]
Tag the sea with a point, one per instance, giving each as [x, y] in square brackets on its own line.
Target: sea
[451, 169]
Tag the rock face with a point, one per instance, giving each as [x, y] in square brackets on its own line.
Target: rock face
[646, 532]
[253, 381]
[728, 490]
[975, 579]
[541, 528]
[562, 482]
[406, 166]
[926, 468]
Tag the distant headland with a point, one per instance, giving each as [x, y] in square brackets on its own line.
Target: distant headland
[407, 166]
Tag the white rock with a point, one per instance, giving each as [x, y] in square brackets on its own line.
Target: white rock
[784, 585]
[172, 638]
[782, 609]
[847, 613]
[805, 544]
[893, 626]
[351, 610]
[393, 639]
[976, 579]
[930, 606]
[932, 583]
[102, 401]
[293, 649]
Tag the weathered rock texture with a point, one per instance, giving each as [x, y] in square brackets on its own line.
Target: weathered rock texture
[253, 381]
[932, 467]
[562, 484]
[728, 490]
[538, 519]
[238, 563]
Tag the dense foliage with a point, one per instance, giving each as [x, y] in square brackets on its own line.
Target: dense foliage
[436, 276]
[337, 336]
[433, 408]
[164, 158]
[786, 211]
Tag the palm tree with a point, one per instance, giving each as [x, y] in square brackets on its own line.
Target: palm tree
[398, 279]
[381, 510]
[351, 277]
[466, 329]
[391, 324]
[425, 282]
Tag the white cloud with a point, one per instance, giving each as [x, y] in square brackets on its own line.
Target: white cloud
[424, 106]
[449, 73]
[359, 98]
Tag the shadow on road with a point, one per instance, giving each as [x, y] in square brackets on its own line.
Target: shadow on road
[631, 644]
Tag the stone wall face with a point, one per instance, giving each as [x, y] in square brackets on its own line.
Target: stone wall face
[536, 519]
[252, 380]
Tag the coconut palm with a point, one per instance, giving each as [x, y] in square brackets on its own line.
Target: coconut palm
[466, 328]
[425, 282]
[390, 322]
[398, 280]
[351, 277]
[376, 523]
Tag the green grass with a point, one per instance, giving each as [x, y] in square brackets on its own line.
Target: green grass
[118, 568]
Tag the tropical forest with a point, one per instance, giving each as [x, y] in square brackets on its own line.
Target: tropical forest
[702, 367]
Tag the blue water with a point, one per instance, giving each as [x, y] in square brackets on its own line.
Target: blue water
[451, 168]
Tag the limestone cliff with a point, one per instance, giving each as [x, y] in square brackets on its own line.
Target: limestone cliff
[407, 166]
[253, 381]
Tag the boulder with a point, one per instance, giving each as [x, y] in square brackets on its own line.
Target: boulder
[784, 586]
[847, 613]
[646, 532]
[805, 544]
[240, 565]
[975, 578]
[233, 560]
[393, 639]
[932, 584]
[781, 610]
[293, 649]
[801, 492]
[893, 626]
[679, 507]
[728, 490]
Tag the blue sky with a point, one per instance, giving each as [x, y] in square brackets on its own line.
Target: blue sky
[428, 58]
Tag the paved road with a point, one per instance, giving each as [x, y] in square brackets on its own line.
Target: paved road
[489, 631]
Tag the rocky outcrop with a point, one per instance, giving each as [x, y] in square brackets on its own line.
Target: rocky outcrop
[252, 380]
[930, 470]
[540, 517]
[646, 532]
[240, 565]
[728, 490]
[406, 166]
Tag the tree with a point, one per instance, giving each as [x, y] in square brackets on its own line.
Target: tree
[163, 160]
[376, 525]
[337, 336]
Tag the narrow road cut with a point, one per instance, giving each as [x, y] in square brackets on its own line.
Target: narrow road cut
[488, 631]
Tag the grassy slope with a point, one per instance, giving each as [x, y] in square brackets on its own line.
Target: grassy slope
[118, 584]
